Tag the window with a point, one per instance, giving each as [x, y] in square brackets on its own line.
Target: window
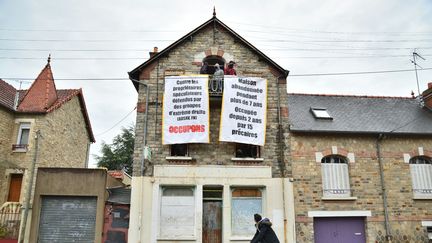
[179, 150]
[335, 178]
[421, 174]
[212, 60]
[177, 213]
[320, 113]
[245, 203]
[247, 151]
[23, 137]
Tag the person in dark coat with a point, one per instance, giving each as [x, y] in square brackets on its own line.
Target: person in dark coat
[264, 233]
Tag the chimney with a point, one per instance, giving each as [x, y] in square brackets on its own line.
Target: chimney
[16, 99]
[427, 96]
[154, 52]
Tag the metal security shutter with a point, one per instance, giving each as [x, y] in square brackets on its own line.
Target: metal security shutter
[67, 219]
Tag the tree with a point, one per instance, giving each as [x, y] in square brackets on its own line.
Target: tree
[119, 154]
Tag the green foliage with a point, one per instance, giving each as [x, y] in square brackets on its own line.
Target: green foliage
[3, 232]
[119, 154]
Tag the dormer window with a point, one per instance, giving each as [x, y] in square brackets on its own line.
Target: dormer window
[320, 113]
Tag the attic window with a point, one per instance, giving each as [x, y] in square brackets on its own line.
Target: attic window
[321, 113]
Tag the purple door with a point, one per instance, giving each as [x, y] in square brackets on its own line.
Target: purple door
[339, 230]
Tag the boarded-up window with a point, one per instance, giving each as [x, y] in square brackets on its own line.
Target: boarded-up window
[177, 213]
[335, 177]
[421, 174]
[245, 203]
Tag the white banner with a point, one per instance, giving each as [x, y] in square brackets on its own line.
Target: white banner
[244, 107]
[186, 110]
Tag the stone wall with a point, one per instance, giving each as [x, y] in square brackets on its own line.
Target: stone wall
[63, 142]
[6, 121]
[187, 59]
[405, 212]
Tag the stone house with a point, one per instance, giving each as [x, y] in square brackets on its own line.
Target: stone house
[209, 192]
[362, 167]
[44, 125]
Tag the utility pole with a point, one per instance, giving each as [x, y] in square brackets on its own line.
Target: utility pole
[415, 54]
[29, 188]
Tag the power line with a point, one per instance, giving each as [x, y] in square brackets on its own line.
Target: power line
[291, 75]
[355, 73]
[116, 123]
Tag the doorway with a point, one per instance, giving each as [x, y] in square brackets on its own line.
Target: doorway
[212, 214]
[15, 187]
[339, 230]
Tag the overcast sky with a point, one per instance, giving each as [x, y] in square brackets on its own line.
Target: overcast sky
[102, 40]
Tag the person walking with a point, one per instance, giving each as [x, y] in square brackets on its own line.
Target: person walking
[264, 232]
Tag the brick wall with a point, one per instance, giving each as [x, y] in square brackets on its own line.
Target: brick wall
[405, 213]
[187, 59]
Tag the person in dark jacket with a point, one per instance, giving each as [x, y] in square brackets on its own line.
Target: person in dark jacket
[264, 233]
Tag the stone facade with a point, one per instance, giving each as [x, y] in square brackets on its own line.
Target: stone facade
[212, 164]
[186, 59]
[405, 213]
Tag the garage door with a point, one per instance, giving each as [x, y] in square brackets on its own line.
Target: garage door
[339, 230]
[67, 219]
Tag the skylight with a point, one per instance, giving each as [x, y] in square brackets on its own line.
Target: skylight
[320, 113]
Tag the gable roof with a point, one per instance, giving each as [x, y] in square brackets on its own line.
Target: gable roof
[7, 95]
[134, 74]
[359, 114]
[42, 97]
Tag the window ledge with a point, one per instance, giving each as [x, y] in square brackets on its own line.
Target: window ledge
[248, 159]
[425, 197]
[19, 150]
[339, 198]
[185, 158]
[240, 238]
[176, 239]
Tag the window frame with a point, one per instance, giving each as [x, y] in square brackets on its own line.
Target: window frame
[167, 235]
[19, 146]
[248, 146]
[173, 146]
[248, 219]
[424, 180]
[335, 173]
[318, 113]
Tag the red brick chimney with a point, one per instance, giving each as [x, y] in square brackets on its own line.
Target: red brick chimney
[427, 96]
[154, 52]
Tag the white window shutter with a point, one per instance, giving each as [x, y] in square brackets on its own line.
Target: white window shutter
[335, 180]
[421, 179]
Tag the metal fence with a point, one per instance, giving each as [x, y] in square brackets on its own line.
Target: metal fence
[10, 218]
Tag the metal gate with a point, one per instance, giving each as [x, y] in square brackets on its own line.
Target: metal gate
[339, 230]
[67, 219]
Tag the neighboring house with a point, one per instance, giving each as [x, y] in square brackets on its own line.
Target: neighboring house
[116, 221]
[69, 204]
[362, 167]
[209, 192]
[59, 120]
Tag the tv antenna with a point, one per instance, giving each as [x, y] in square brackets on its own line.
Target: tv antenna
[415, 54]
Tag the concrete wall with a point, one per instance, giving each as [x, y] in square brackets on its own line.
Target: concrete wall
[405, 213]
[69, 182]
[277, 198]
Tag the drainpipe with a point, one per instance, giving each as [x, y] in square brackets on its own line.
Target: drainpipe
[142, 168]
[383, 188]
[29, 188]
[281, 159]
